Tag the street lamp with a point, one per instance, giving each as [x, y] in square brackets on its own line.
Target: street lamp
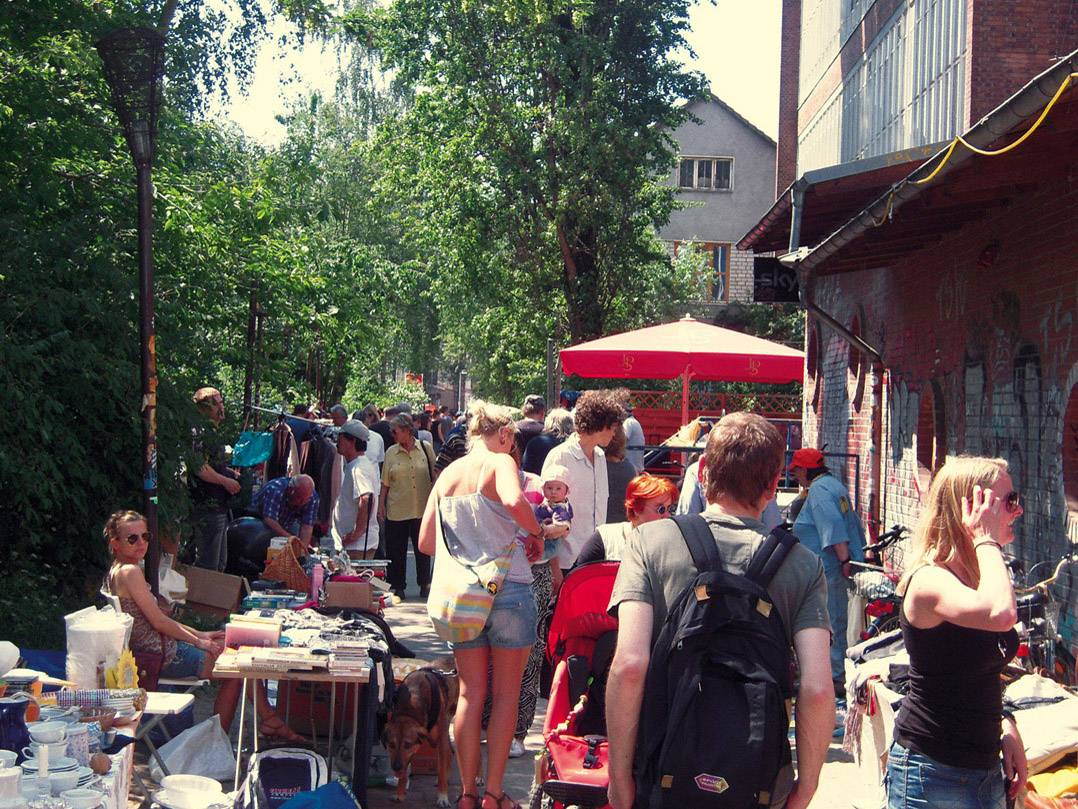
[134, 65]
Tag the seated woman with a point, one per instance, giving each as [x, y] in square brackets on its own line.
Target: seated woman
[185, 652]
[647, 498]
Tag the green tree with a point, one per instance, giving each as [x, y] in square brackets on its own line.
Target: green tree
[540, 131]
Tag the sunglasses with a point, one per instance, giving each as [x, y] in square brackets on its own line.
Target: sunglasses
[1012, 502]
[134, 539]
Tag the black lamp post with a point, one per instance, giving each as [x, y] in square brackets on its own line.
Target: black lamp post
[134, 65]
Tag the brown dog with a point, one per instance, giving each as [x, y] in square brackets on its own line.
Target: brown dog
[423, 708]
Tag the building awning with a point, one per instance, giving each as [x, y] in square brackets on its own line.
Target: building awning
[956, 186]
[831, 196]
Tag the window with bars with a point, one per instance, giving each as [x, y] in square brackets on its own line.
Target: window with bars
[706, 173]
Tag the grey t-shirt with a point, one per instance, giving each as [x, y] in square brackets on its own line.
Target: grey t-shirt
[656, 567]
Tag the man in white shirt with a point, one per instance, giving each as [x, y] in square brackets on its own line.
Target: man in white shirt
[376, 445]
[596, 415]
[354, 527]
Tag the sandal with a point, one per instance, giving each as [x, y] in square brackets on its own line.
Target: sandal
[276, 730]
[499, 801]
[475, 802]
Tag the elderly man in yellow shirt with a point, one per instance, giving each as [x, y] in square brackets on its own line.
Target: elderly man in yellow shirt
[407, 479]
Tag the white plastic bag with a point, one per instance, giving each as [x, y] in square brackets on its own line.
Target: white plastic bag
[95, 639]
[200, 750]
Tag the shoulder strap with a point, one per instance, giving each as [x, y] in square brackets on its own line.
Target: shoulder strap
[428, 452]
[767, 560]
[701, 542]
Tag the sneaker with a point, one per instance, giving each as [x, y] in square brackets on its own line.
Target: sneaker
[516, 748]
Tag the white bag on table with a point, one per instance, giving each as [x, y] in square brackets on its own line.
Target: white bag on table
[203, 749]
[95, 639]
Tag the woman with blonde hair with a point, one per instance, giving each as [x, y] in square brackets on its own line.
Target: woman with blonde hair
[185, 652]
[958, 615]
[480, 504]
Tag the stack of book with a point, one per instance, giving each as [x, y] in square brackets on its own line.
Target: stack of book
[349, 657]
[282, 659]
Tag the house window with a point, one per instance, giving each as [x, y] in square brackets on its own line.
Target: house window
[931, 434]
[706, 173]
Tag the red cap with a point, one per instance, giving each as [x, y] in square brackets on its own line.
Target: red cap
[807, 458]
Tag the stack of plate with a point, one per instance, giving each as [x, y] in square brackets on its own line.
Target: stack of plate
[123, 705]
[20, 679]
[58, 764]
[86, 777]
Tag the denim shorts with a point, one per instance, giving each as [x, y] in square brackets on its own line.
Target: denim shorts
[186, 663]
[512, 620]
[915, 781]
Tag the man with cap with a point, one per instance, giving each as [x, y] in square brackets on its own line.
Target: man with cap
[288, 506]
[212, 484]
[828, 524]
[353, 527]
[532, 424]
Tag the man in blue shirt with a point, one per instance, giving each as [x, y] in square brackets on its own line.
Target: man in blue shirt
[289, 506]
[828, 524]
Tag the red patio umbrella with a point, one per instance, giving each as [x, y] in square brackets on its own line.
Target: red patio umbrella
[689, 349]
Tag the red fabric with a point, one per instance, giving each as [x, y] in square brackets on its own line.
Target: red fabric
[580, 612]
[663, 352]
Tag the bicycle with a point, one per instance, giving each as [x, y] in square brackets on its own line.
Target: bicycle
[1041, 649]
[875, 581]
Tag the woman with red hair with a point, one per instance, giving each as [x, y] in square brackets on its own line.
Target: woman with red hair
[647, 498]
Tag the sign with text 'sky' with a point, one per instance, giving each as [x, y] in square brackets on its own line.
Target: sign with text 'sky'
[773, 282]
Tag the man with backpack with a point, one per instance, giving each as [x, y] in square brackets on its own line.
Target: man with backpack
[710, 608]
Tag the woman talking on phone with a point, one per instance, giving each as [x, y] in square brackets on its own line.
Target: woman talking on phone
[953, 747]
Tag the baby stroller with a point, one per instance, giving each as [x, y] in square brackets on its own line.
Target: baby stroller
[572, 769]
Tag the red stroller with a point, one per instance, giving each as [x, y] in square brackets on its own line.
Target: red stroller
[572, 769]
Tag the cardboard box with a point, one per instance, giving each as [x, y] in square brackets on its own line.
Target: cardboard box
[210, 592]
[355, 594]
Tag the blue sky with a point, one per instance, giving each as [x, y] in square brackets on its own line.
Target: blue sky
[736, 44]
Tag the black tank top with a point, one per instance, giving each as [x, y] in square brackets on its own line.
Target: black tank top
[952, 711]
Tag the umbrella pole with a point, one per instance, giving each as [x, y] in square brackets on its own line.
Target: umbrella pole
[685, 395]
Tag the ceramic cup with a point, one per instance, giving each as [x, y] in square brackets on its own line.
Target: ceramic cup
[78, 743]
[56, 749]
[47, 732]
[10, 781]
[82, 798]
[8, 758]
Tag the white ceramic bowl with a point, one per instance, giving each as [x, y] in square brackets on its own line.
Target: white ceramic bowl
[62, 781]
[189, 783]
[82, 798]
[47, 732]
[172, 799]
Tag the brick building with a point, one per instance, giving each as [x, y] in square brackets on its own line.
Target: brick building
[726, 174]
[941, 286]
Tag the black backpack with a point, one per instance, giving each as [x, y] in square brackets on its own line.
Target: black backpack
[713, 729]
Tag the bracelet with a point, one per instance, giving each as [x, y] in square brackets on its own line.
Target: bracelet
[976, 545]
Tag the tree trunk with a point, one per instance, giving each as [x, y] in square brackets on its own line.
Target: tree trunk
[580, 276]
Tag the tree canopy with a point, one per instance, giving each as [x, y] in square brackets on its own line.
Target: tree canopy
[500, 185]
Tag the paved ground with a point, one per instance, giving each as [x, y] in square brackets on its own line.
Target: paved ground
[842, 784]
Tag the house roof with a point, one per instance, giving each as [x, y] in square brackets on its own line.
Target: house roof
[956, 186]
[711, 97]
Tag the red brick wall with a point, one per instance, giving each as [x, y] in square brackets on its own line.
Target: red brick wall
[789, 71]
[1011, 42]
[998, 343]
